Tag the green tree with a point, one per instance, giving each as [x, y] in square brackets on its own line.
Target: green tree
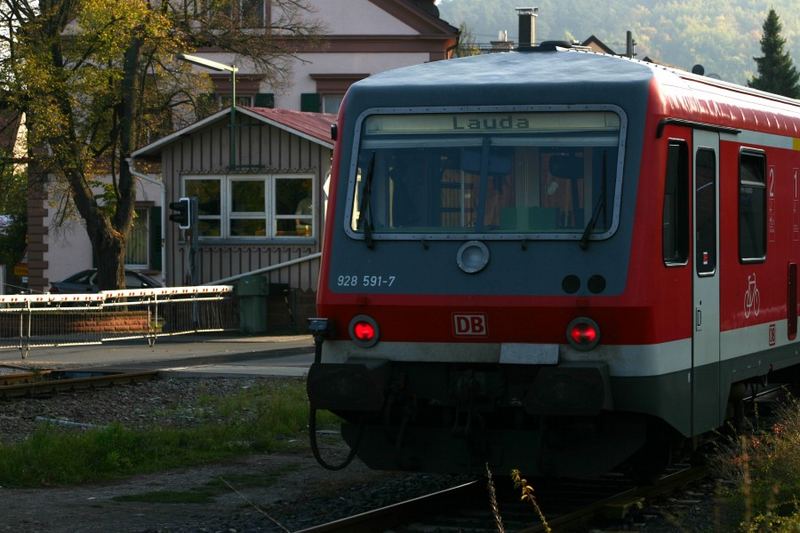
[97, 78]
[722, 35]
[13, 209]
[776, 72]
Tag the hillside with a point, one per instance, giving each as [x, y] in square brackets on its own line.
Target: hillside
[722, 35]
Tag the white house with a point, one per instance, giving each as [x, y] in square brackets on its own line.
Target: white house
[362, 37]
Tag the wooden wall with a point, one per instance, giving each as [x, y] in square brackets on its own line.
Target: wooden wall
[267, 150]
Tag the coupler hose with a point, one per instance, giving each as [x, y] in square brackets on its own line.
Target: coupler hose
[312, 420]
[312, 432]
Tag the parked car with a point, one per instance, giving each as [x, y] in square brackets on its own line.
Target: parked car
[85, 281]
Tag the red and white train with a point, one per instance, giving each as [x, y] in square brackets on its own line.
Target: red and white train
[553, 260]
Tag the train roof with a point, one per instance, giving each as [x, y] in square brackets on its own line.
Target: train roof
[578, 77]
[515, 68]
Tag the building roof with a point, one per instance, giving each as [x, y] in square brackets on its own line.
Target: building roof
[597, 45]
[422, 15]
[315, 127]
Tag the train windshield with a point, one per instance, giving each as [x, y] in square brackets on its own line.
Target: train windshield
[552, 174]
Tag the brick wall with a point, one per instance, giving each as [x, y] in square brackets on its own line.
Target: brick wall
[50, 324]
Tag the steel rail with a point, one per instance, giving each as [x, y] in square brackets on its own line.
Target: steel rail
[51, 386]
[432, 506]
[584, 515]
[398, 513]
[23, 377]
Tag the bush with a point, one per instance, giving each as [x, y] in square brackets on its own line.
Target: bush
[766, 469]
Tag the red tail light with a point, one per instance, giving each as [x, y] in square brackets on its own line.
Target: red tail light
[364, 331]
[583, 334]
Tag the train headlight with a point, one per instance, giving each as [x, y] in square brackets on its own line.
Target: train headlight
[583, 334]
[364, 331]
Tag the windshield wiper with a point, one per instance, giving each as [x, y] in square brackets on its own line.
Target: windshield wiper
[601, 205]
[364, 208]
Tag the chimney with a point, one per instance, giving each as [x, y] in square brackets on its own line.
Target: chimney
[527, 26]
[630, 45]
[427, 5]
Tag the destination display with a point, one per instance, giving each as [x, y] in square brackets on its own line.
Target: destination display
[455, 123]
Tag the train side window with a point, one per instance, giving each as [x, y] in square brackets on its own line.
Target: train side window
[705, 197]
[752, 206]
[675, 219]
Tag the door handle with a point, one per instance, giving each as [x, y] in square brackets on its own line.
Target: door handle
[698, 319]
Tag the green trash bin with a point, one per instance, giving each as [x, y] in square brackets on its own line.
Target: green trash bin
[252, 293]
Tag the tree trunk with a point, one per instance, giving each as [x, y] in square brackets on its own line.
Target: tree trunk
[109, 257]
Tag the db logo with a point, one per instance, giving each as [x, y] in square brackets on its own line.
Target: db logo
[472, 325]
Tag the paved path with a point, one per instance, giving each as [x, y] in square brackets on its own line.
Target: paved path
[184, 355]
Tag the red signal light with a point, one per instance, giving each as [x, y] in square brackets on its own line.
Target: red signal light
[364, 331]
[583, 334]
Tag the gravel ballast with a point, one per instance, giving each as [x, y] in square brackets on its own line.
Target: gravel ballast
[292, 491]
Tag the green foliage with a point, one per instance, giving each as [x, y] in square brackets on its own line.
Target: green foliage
[774, 524]
[776, 73]
[261, 419]
[766, 470]
[13, 203]
[721, 35]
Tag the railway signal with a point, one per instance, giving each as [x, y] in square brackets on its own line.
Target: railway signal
[182, 213]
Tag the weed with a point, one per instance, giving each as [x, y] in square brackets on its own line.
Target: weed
[765, 467]
[498, 520]
[528, 494]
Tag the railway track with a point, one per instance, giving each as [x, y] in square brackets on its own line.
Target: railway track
[569, 505]
[616, 505]
[47, 382]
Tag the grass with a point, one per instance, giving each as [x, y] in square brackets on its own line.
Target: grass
[765, 470]
[262, 419]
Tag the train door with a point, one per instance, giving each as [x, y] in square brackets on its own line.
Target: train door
[705, 341]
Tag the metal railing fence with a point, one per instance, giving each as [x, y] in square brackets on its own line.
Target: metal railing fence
[48, 320]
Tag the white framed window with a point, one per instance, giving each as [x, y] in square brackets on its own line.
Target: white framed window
[331, 103]
[253, 13]
[249, 207]
[248, 13]
[208, 191]
[293, 206]
[224, 100]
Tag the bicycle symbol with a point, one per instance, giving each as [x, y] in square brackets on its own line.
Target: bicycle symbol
[752, 298]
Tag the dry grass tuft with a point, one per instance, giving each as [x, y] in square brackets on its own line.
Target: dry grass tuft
[528, 494]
